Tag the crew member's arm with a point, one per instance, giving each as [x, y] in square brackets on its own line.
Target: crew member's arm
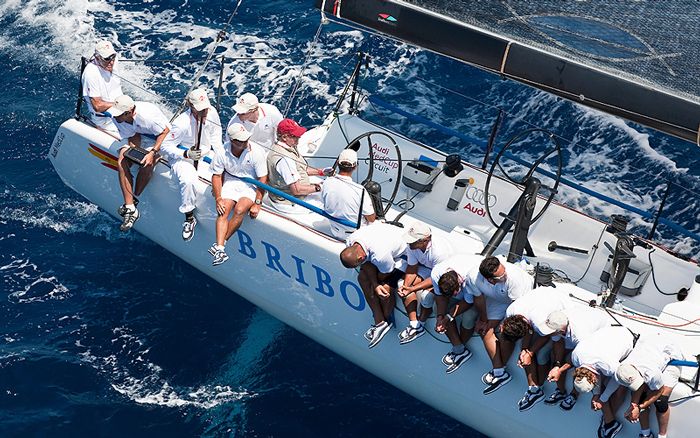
[408, 280]
[216, 184]
[99, 105]
[259, 194]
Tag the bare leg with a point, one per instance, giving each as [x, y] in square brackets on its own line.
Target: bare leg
[240, 209]
[221, 222]
[453, 334]
[371, 297]
[125, 177]
[142, 178]
[611, 406]
[664, 417]
[410, 302]
[424, 313]
[388, 303]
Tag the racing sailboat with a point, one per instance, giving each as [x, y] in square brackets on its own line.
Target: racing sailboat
[288, 264]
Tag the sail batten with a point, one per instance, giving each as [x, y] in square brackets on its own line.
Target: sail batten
[582, 65]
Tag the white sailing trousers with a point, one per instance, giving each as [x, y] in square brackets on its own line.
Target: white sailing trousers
[186, 176]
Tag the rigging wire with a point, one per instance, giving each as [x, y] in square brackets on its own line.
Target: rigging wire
[300, 77]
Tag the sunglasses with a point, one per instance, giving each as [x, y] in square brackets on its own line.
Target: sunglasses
[109, 58]
[497, 279]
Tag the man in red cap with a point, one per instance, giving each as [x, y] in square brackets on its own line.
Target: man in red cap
[289, 172]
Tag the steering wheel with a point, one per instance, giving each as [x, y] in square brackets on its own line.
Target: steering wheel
[533, 168]
[355, 145]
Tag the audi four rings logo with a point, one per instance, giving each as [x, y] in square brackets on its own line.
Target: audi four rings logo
[477, 195]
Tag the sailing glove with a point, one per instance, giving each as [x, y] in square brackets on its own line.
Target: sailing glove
[193, 154]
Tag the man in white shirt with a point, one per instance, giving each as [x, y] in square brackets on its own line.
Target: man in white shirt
[194, 134]
[448, 279]
[101, 86]
[241, 158]
[596, 359]
[289, 172]
[133, 119]
[492, 288]
[526, 319]
[647, 373]
[379, 248]
[424, 252]
[343, 197]
[570, 326]
[260, 119]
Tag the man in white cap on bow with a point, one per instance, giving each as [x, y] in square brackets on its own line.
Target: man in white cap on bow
[241, 159]
[646, 371]
[343, 198]
[260, 119]
[133, 119]
[101, 86]
[194, 134]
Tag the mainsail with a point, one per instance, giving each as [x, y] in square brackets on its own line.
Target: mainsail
[637, 60]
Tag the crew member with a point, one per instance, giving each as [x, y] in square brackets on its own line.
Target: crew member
[101, 86]
[260, 119]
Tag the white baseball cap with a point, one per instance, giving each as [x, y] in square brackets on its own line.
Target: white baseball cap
[198, 99]
[416, 232]
[246, 102]
[629, 376]
[238, 132]
[104, 49]
[348, 157]
[121, 105]
[555, 322]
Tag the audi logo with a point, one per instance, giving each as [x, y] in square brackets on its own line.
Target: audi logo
[477, 195]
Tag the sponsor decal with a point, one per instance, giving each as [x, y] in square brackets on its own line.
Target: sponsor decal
[108, 160]
[386, 18]
[57, 144]
[382, 159]
[478, 196]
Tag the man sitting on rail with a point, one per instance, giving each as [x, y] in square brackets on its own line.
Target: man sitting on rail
[571, 326]
[289, 172]
[260, 119]
[380, 249]
[526, 319]
[194, 134]
[241, 158]
[133, 119]
[101, 86]
[424, 252]
[596, 359]
[449, 288]
[343, 198]
[647, 373]
[492, 288]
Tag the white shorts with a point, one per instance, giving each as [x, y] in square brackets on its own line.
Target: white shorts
[671, 375]
[496, 310]
[466, 319]
[235, 189]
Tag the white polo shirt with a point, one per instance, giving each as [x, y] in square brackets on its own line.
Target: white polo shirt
[341, 199]
[184, 132]
[583, 322]
[536, 306]
[651, 356]
[383, 244]
[149, 119]
[98, 82]
[439, 249]
[252, 162]
[517, 283]
[462, 264]
[264, 132]
[603, 350]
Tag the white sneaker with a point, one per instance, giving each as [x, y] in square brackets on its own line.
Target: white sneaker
[377, 332]
[130, 218]
[219, 257]
[188, 229]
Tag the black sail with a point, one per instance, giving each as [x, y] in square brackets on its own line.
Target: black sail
[636, 60]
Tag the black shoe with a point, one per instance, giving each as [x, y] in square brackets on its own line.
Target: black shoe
[555, 397]
[497, 382]
[568, 403]
[530, 399]
[612, 431]
[458, 360]
[410, 334]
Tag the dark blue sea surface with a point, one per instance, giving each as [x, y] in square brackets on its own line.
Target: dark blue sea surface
[107, 334]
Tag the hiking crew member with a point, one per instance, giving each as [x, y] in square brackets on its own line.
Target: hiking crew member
[101, 86]
[198, 131]
[260, 119]
[133, 119]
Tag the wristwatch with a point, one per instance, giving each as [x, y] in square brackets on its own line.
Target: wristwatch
[258, 202]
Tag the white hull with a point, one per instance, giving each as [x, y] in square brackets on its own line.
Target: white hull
[293, 272]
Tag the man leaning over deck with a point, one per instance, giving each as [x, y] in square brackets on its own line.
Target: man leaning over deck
[241, 158]
[343, 197]
[101, 85]
[289, 172]
[380, 249]
[186, 144]
[133, 119]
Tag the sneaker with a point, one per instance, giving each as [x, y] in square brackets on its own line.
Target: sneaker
[651, 435]
[121, 211]
[212, 249]
[130, 218]
[497, 382]
[487, 378]
[378, 331]
[458, 360]
[410, 334]
[188, 229]
[219, 257]
[612, 431]
[530, 399]
[568, 403]
[555, 397]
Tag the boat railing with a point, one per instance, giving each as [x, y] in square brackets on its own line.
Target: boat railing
[486, 146]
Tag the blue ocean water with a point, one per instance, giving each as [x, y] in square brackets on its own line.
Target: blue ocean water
[108, 334]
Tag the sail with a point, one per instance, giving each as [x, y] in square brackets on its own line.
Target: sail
[637, 60]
